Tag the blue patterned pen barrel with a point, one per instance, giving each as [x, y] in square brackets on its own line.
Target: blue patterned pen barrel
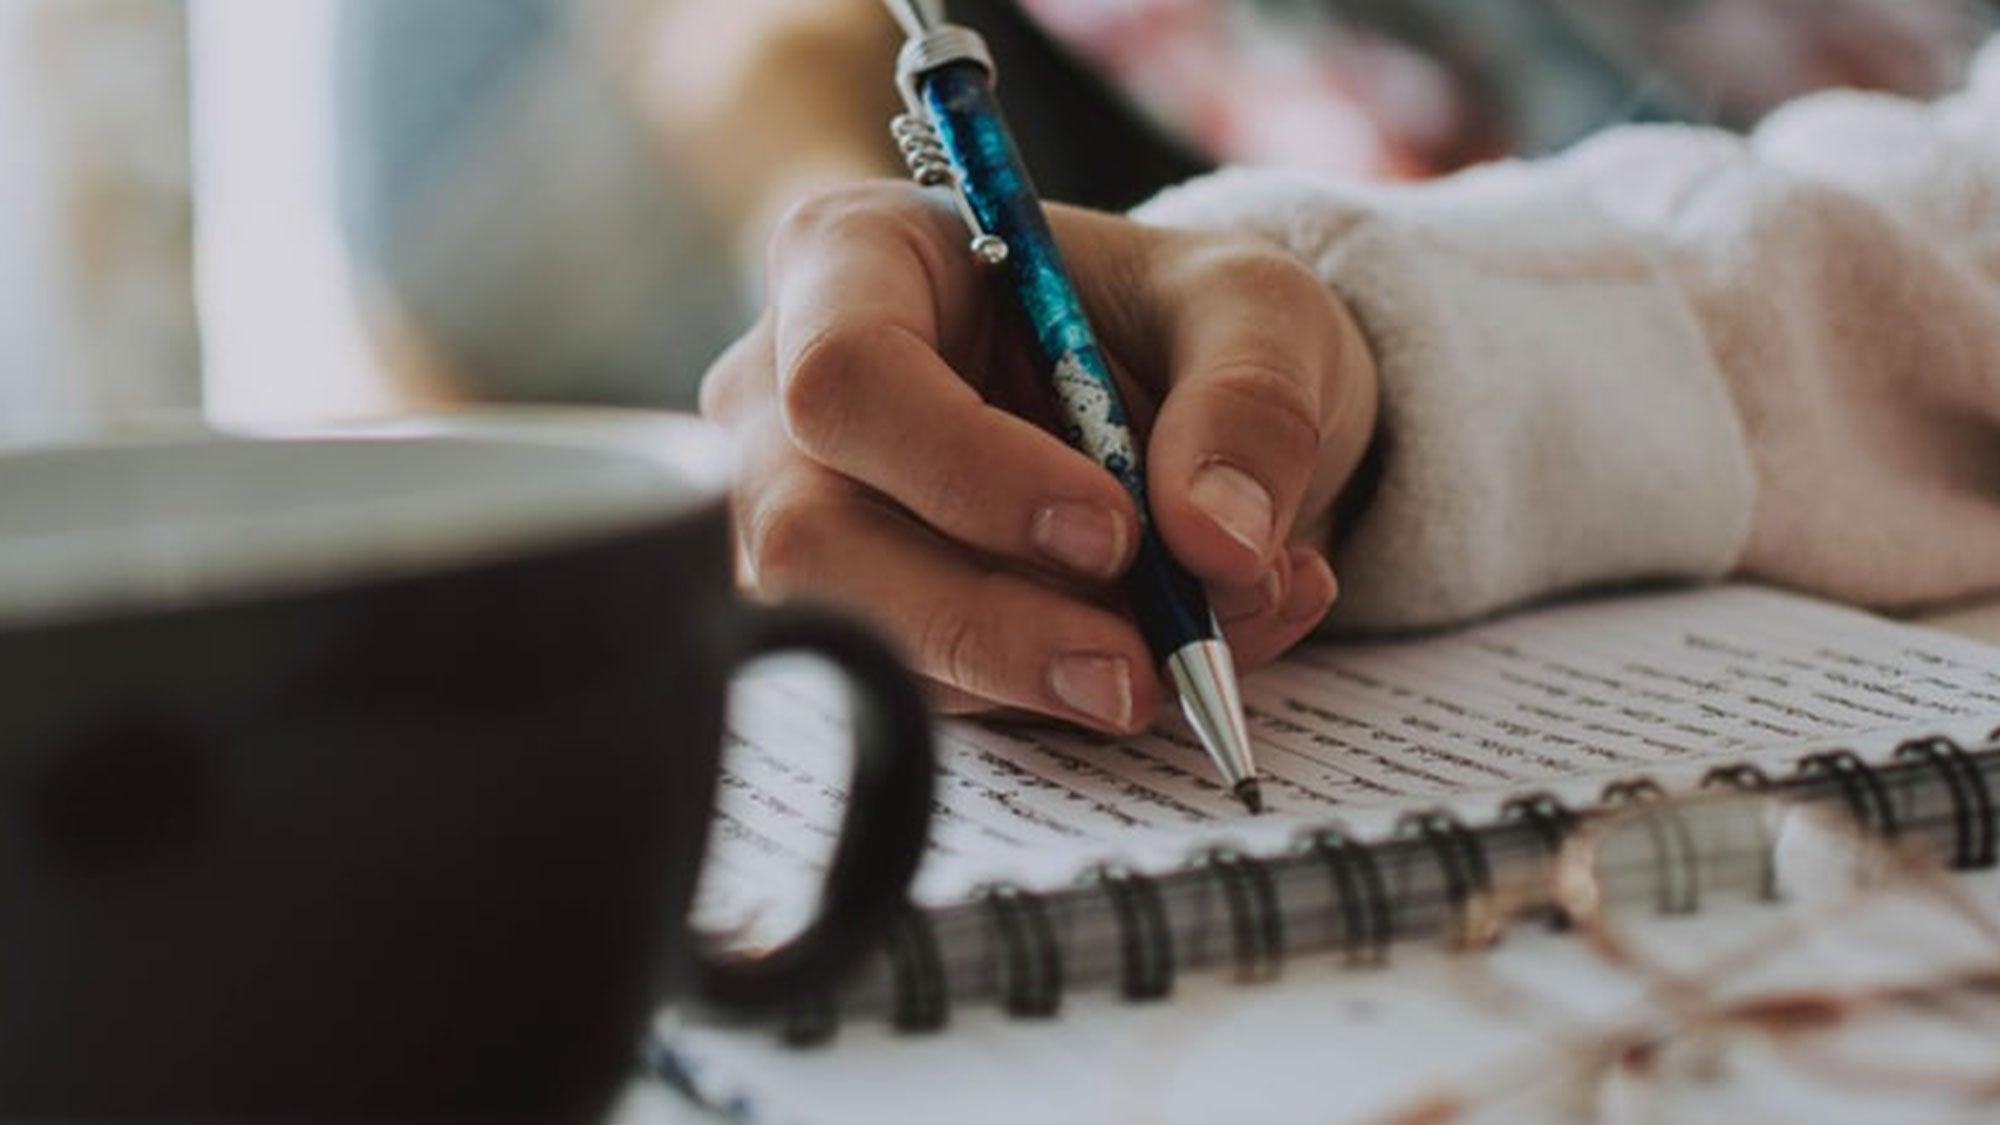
[944, 68]
[1169, 604]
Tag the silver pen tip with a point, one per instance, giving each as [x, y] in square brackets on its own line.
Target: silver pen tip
[1205, 677]
[1251, 794]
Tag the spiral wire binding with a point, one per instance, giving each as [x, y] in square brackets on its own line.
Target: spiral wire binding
[1983, 796]
[1146, 943]
[1358, 893]
[1030, 965]
[1866, 797]
[1677, 864]
[1257, 927]
[1545, 814]
[1461, 857]
[922, 994]
[1631, 791]
[1971, 800]
[1127, 926]
[1742, 776]
[1937, 753]
[1552, 821]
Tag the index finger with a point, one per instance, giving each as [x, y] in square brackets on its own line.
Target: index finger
[869, 300]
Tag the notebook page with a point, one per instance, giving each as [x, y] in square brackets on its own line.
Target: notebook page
[1562, 697]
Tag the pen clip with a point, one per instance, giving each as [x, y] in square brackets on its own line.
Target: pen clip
[915, 132]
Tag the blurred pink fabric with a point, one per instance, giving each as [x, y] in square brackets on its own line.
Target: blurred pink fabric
[1293, 85]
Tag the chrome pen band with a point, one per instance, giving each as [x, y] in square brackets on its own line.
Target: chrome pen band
[936, 47]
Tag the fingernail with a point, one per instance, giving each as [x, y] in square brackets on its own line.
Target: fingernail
[1237, 604]
[1082, 537]
[1234, 501]
[1097, 686]
[1313, 590]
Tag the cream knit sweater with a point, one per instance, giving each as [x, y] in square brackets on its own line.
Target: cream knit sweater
[1672, 352]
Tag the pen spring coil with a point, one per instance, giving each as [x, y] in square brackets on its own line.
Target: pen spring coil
[923, 153]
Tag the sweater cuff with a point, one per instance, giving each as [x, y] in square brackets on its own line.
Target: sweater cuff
[1551, 416]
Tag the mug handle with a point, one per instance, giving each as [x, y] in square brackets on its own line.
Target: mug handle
[883, 831]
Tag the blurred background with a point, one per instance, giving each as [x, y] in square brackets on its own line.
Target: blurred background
[265, 212]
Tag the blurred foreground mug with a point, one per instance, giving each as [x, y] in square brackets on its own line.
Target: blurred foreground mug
[371, 776]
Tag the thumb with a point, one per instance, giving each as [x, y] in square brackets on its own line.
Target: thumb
[1236, 449]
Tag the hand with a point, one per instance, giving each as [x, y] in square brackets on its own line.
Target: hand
[898, 457]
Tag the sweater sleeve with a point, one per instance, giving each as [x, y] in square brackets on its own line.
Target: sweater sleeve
[1671, 353]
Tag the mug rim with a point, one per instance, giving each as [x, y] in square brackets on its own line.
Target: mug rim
[597, 473]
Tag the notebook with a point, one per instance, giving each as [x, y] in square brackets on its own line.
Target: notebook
[1098, 934]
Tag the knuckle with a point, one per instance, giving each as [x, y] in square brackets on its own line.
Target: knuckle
[1256, 268]
[953, 647]
[789, 534]
[820, 387]
[1280, 409]
[1282, 287]
[866, 207]
[818, 212]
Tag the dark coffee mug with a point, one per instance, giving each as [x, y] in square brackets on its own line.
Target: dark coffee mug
[370, 776]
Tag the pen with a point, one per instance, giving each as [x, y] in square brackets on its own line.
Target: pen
[952, 135]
